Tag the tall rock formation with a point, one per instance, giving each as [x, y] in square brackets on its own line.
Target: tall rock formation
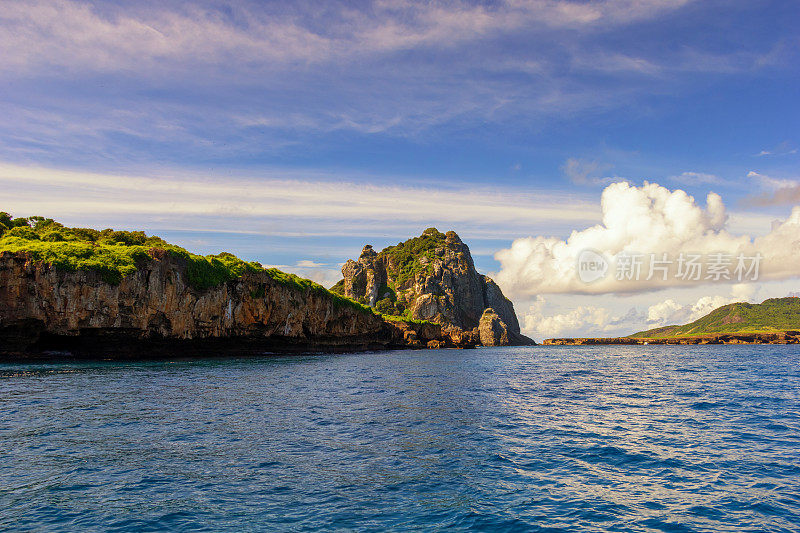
[492, 330]
[430, 277]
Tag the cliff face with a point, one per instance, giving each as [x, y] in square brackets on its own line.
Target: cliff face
[44, 308]
[431, 277]
[154, 312]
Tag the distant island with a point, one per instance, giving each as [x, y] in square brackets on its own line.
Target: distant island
[123, 294]
[774, 321]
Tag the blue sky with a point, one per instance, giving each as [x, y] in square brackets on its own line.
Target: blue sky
[370, 121]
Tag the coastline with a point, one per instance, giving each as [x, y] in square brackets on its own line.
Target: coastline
[780, 337]
[154, 313]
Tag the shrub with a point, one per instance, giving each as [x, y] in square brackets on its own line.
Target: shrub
[407, 319]
[85, 234]
[128, 238]
[53, 236]
[210, 271]
[23, 232]
[385, 307]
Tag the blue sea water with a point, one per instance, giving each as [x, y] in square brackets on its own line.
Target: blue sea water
[650, 438]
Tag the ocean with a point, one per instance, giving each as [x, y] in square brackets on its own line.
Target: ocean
[604, 438]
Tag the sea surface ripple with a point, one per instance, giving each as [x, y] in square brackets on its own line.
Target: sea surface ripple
[614, 438]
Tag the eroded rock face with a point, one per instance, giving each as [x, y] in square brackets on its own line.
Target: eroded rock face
[362, 278]
[493, 331]
[494, 299]
[432, 276]
[43, 308]
[154, 312]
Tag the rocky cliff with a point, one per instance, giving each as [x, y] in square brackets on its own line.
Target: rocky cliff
[153, 311]
[430, 277]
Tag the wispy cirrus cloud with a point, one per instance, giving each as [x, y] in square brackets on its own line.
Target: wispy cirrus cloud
[586, 172]
[775, 191]
[282, 204]
[130, 81]
[696, 178]
[784, 148]
[134, 85]
[81, 35]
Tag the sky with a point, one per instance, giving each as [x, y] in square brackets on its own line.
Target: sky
[293, 133]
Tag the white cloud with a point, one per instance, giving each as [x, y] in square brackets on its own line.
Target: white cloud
[696, 178]
[76, 35]
[646, 220]
[744, 292]
[324, 276]
[589, 319]
[662, 312]
[583, 320]
[616, 62]
[769, 182]
[307, 263]
[780, 191]
[275, 205]
[583, 172]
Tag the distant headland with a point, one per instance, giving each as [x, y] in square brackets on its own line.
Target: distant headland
[774, 321]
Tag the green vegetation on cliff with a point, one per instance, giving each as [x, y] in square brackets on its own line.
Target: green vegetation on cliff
[403, 262]
[405, 257]
[115, 254]
[408, 320]
[338, 288]
[775, 314]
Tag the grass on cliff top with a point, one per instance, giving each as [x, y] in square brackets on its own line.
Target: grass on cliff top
[115, 254]
[770, 316]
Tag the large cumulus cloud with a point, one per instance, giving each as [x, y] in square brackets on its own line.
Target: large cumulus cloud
[645, 220]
